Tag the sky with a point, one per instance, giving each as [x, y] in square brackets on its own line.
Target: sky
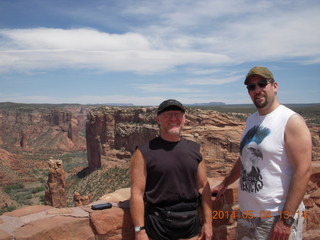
[143, 52]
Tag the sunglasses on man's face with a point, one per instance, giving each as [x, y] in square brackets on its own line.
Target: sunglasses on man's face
[262, 84]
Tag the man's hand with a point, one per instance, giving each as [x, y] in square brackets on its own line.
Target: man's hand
[231, 178]
[206, 232]
[219, 190]
[280, 231]
[142, 235]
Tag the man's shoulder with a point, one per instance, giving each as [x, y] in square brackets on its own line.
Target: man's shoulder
[189, 141]
[153, 144]
[252, 116]
[152, 141]
[281, 110]
[286, 110]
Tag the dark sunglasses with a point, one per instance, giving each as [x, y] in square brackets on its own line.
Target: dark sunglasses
[262, 84]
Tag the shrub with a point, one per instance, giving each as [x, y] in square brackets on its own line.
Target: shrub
[37, 189]
[15, 186]
[7, 209]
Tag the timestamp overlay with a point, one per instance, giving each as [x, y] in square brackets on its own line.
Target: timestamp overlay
[220, 214]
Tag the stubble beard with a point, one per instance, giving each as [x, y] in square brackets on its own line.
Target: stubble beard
[260, 104]
[175, 131]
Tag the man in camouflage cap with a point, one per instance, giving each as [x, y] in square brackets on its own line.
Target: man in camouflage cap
[274, 166]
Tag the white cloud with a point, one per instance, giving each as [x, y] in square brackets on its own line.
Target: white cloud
[200, 45]
[211, 81]
[242, 30]
[170, 33]
[278, 36]
[74, 39]
[84, 99]
[166, 88]
[88, 48]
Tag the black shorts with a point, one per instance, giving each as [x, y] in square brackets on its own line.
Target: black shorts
[170, 224]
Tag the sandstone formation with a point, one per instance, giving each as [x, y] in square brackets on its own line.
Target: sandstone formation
[8, 160]
[315, 134]
[55, 194]
[30, 134]
[81, 200]
[35, 127]
[113, 133]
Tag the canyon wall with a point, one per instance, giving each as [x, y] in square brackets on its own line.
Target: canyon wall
[113, 133]
[36, 127]
[30, 134]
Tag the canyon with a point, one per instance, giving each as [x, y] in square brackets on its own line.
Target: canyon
[110, 135]
[113, 134]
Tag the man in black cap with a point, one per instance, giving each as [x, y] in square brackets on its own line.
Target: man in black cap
[169, 183]
[274, 165]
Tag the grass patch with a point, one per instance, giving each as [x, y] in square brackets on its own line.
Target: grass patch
[21, 194]
[7, 209]
[14, 188]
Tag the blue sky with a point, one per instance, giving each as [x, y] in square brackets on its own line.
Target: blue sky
[143, 52]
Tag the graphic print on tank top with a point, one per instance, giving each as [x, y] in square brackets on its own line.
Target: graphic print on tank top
[251, 179]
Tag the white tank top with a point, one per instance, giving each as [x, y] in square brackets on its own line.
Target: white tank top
[266, 173]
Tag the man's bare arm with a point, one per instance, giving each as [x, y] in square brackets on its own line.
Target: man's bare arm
[299, 149]
[138, 176]
[206, 203]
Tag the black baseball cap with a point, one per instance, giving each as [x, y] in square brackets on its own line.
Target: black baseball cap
[169, 105]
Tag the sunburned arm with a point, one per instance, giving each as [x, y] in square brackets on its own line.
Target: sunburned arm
[138, 176]
[206, 203]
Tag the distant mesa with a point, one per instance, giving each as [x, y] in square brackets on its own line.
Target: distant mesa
[190, 105]
[16, 105]
[207, 104]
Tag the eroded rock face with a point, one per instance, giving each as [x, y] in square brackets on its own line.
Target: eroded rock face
[55, 194]
[113, 134]
[315, 135]
[34, 127]
[312, 202]
[81, 200]
[117, 131]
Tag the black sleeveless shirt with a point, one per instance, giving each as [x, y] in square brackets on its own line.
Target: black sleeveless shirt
[171, 171]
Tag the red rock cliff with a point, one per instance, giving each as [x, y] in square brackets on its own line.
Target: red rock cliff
[34, 127]
[113, 133]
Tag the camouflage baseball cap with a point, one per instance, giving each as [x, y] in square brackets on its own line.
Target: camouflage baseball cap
[261, 71]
